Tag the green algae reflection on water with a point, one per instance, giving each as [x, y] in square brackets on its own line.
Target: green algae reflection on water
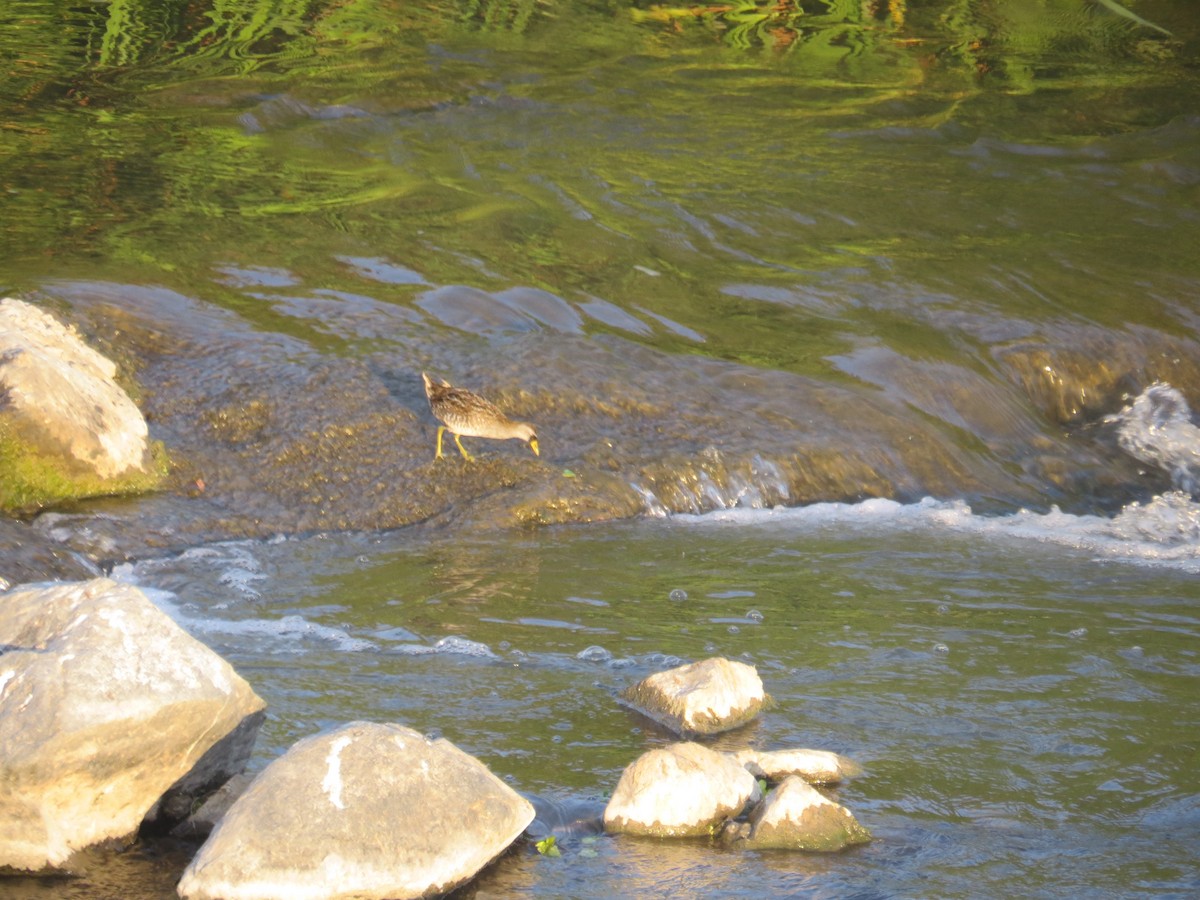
[572, 148]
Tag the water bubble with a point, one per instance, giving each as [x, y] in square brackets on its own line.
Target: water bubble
[754, 615]
[940, 648]
[943, 608]
[557, 739]
[733, 629]
[1077, 632]
[594, 653]
[678, 595]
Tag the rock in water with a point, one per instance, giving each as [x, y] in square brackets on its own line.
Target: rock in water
[706, 697]
[796, 816]
[61, 393]
[105, 706]
[368, 811]
[679, 791]
[814, 766]
[201, 822]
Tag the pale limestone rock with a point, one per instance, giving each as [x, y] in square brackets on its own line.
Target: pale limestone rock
[706, 697]
[814, 766]
[679, 791]
[105, 706]
[61, 393]
[796, 816]
[367, 811]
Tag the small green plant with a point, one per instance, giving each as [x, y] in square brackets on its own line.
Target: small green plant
[548, 846]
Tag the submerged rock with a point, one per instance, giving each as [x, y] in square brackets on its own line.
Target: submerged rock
[61, 398]
[366, 811]
[202, 822]
[109, 712]
[796, 816]
[27, 555]
[706, 697]
[679, 791]
[814, 766]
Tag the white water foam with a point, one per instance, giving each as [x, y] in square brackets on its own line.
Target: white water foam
[1164, 532]
[288, 634]
[236, 565]
[758, 485]
[452, 645]
[1156, 428]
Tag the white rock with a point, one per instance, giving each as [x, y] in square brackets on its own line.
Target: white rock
[105, 706]
[705, 697]
[796, 816]
[62, 393]
[677, 791]
[368, 811]
[814, 766]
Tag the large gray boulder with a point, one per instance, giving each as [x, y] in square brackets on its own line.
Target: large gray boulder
[366, 811]
[60, 394]
[701, 698]
[683, 790]
[108, 711]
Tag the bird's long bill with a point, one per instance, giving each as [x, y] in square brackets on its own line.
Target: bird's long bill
[533, 445]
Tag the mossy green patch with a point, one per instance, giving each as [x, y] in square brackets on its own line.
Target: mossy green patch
[33, 477]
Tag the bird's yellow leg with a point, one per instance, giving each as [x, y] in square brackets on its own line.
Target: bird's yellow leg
[463, 450]
[441, 430]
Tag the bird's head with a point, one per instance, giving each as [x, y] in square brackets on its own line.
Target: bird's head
[526, 433]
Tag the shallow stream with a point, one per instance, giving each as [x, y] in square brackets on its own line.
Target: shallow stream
[863, 344]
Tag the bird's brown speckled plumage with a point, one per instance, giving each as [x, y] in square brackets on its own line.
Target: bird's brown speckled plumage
[465, 414]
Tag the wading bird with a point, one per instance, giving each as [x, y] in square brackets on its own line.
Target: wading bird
[466, 414]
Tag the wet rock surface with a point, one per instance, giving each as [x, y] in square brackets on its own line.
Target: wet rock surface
[28, 555]
[109, 714]
[273, 434]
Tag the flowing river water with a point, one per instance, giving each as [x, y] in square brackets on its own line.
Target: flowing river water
[863, 345]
